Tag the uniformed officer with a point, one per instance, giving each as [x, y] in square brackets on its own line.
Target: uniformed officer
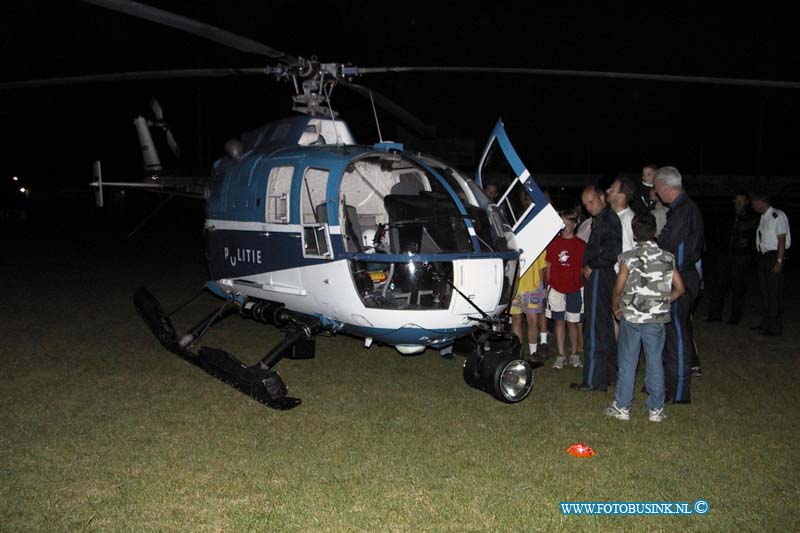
[599, 258]
[734, 262]
[683, 236]
[773, 239]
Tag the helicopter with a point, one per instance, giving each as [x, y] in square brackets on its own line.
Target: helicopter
[397, 248]
[313, 233]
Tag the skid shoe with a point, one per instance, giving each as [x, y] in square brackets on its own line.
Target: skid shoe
[258, 381]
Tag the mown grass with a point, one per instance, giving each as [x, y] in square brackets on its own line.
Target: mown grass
[100, 429]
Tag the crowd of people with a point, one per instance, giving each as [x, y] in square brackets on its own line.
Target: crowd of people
[625, 280]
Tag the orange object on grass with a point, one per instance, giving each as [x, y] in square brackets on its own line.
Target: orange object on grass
[580, 450]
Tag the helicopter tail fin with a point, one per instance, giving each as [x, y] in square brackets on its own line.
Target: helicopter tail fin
[97, 174]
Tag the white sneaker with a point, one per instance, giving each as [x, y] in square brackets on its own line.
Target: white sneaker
[575, 360]
[657, 415]
[620, 413]
[560, 362]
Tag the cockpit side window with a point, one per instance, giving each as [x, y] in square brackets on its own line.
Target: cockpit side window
[279, 185]
[314, 214]
[362, 212]
[312, 195]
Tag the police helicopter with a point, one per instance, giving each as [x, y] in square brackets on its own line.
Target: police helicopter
[309, 231]
[395, 247]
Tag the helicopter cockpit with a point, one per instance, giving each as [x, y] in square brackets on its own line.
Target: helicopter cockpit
[404, 221]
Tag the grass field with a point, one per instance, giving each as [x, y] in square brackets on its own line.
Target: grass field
[101, 429]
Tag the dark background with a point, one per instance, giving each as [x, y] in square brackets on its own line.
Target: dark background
[562, 125]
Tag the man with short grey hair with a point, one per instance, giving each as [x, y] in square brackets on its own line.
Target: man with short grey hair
[682, 236]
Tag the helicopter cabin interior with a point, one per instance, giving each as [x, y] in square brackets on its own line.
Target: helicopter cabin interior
[391, 206]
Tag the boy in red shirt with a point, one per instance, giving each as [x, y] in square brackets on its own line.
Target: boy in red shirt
[565, 297]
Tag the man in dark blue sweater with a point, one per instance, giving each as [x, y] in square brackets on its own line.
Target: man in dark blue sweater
[682, 236]
[599, 257]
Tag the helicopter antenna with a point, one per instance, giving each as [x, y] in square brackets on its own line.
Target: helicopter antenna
[375, 113]
[330, 109]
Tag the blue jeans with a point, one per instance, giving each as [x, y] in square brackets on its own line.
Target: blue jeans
[631, 337]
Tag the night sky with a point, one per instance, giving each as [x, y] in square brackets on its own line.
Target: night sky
[559, 124]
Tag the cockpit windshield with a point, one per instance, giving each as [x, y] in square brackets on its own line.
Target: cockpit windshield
[392, 205]
[428, 223]
[488, 221]
[408, 285]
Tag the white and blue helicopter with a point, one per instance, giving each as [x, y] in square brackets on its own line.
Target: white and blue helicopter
[313, 233]
[397, 248]
[394, 247]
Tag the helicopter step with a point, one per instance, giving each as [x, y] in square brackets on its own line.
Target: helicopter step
[259, 380]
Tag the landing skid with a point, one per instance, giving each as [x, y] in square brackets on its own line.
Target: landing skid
[258, 380]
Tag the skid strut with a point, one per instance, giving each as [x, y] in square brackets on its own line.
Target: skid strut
[259, 380]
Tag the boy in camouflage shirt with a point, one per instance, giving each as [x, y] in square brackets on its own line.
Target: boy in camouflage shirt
[646, 285]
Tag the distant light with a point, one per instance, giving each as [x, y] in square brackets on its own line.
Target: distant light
[23, 190]
[15, 178]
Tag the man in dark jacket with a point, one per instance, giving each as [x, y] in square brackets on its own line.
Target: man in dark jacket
[734, 262]
[683, 236]
[599, 257]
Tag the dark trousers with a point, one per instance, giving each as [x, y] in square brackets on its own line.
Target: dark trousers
[679, 350]
[599, 342]
[771, 286]
[732, 278]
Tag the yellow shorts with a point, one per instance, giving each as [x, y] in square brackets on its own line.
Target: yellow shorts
[532, 302]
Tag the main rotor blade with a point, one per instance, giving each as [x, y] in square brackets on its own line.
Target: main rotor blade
[200, 29]
[746, 82]
[135, 76]
[384, 102]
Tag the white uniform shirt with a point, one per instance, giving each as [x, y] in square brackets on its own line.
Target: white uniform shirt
[773, 223]
[626, 219]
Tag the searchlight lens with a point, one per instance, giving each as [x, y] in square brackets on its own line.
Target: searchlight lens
[516, 380]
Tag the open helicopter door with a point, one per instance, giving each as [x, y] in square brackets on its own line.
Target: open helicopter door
[533, 220]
